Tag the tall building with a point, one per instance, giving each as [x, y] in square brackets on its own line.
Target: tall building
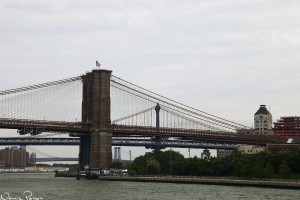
[117, 154]
[20, 157]
[14, 157]
[287, 126]
[263, 121]
[7, 156]
[32, 159]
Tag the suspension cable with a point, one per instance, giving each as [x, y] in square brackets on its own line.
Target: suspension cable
[168, 103]
[38, 86]
[180, 103]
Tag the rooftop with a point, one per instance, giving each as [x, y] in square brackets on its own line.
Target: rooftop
[262, 110]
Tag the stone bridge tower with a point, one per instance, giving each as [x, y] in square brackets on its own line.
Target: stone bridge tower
[95, 148]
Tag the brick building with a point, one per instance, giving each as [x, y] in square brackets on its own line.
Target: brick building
[14, 157]
[287, 126]
[276, 148]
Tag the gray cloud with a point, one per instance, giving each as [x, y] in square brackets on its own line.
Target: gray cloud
[224, 57]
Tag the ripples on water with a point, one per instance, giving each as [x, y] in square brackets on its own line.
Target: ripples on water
[49, 187]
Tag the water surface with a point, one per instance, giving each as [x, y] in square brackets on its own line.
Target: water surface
[46, 186]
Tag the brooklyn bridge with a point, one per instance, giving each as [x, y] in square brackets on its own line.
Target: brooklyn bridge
[98, 106]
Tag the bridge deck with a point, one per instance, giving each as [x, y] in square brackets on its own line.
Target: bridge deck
[141, 142]
[76, 129]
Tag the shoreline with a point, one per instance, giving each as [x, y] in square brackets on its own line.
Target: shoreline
[262, 183]
[207, 181]
[28, 172]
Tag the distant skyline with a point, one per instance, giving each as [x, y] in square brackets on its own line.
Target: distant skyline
[223, 57]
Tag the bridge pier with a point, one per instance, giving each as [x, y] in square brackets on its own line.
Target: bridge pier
[84, 151]
[101, 156]
[95, 149]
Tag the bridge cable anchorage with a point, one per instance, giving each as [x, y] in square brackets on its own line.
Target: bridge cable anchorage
[238, 125]
[218, 121]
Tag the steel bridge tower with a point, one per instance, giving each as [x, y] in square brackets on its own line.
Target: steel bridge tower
[95, 148]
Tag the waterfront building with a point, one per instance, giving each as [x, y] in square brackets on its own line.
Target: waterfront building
[287, 126]
[276, 148]
[249, 149]
[20, 157]
[6, 156]
[263, 121]
[223, 153]
[14, 157]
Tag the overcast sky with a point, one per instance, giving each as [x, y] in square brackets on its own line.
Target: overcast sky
[225, 57]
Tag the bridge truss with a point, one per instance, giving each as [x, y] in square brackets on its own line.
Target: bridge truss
[116, 141]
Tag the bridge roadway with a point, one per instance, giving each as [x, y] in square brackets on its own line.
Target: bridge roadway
[54, 159]
[78, 129]
[138, 142]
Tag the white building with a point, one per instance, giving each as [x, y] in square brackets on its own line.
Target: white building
[249, 149]
[263, 121]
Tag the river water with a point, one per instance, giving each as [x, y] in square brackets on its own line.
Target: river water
[46, 186]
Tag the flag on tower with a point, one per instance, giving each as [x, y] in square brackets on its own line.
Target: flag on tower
[97, 64]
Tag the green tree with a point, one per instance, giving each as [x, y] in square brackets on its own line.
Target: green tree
[269, 170]
[237, 168]
[247, 170]
[117, 165]
[280, 165]
[284, 170]
[293, 161]
[153, 167]
[258, 169]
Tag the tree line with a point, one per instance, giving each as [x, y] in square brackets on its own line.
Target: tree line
[261, 165]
